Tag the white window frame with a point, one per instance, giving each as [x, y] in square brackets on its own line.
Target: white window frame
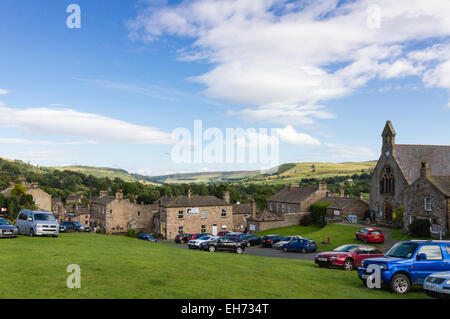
[428, 206]
[204, 214]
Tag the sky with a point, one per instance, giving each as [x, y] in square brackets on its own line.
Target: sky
[322, 76]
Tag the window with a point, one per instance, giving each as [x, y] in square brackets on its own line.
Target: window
[139, 213]
[224, 227]
[180, 215]
[110, 212]
[432, 252]
[448, 250]
[270, 206]
[203, 213]
[283, 208]
[428, 204]
[203, 229]
[224, 213]
[387, 181]
[180, 230]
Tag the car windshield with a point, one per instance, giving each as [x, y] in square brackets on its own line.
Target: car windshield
[44, 217]
[346, 248]
[3, 221]
[402, 250]
[204, 238]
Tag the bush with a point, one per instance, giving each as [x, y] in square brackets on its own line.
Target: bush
[306, 220]
[398, 215]
[318, 213]
[100, 231]
[131, 232]
[421, 228]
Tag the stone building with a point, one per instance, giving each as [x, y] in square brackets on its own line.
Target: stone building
[295, 199]
[268, 220]
[81, 214]
[241, 212]
[341, 207]
[42, 199]
[58, 209]
[398, 167]
[193, 214]
[117, 215]
[428, 197]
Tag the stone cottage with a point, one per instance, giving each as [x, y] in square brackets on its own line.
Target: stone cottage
[42, 199]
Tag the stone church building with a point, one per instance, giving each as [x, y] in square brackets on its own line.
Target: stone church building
[416, 177]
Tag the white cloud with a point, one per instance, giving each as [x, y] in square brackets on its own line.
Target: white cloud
[279, 52]
[71, 123]
[290, 136]
[349, 152]
[21, 141]
[3, 91]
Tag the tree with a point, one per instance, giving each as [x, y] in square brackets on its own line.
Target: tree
[18, 191]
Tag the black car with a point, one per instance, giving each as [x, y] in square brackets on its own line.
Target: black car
[75, 227]
[251, 240]
[269, 240]
[225, 244]
[182, 238]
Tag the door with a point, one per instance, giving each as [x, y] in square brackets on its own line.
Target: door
[433, 263]
[214, 229]
[388, 211]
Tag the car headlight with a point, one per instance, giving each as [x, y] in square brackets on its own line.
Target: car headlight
[448, 282]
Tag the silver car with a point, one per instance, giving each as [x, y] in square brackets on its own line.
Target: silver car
[37, 223]
[7, 230]
[285, 240]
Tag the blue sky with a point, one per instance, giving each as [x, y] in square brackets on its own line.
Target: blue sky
[111, 93]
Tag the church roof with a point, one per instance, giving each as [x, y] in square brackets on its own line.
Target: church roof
[409, 158]
[338, 202]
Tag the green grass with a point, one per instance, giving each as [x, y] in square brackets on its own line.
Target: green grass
[122, 267]
[339, 234]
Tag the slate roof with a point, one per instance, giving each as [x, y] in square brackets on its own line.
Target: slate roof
[294, 195]
[243, 209]
[442, 183]
[339, 202]
[410, 157]
[194, 201]
[103, 200]
[81, 211]
[267, 216]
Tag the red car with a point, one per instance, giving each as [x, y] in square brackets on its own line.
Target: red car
[223, 233]
[348, 257]
[370, 235]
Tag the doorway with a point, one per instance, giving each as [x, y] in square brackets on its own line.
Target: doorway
[388, 211]
[214, 229]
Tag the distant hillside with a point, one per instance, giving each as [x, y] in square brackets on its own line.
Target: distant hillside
[283, 174]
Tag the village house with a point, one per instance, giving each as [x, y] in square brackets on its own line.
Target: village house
[58, 209]
[411, 177]
[241, 212]
[73, 200]
[41, 199]
[193, 214]
[115, 214]
[80, 214]
[341, 207]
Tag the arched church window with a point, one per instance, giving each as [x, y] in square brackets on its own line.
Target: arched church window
[387, 181]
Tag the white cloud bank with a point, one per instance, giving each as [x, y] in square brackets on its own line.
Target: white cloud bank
[278, 56]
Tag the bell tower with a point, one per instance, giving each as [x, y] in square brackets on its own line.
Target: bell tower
[388, 136]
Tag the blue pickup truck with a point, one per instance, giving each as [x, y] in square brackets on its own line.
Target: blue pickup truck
[409, 263]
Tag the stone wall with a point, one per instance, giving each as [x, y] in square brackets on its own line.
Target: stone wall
[288, 220]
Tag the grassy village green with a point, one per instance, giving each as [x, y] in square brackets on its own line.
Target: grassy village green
[123, 267]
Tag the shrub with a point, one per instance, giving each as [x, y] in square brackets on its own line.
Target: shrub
[131, 232]
[100, 231]
[318, 213]
[306, 220]
[398, 215]
[420, 228]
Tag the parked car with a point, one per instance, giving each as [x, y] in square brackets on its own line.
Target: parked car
[409, 263]
[191, 237]
[237, 236]
[251, 240]
[348, 257]
[437, 285]
[147, 237]
[370, 235]
[284, 240]
[62, 229]
[75, 226]
[300, 245]
[223, 233]
[195, 243]
[37, 223]
[7, 230]
[180, 238]
[269, 240]
[225, 244]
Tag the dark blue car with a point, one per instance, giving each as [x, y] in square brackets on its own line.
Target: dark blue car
[300, 245]
[409, 263]
[147, 237]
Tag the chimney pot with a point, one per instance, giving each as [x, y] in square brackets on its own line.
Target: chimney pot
[361, 196]
[424, 169]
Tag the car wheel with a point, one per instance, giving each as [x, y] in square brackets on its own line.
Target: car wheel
[212, 249]
[348, 264]
[400, 284]
[303, 251]
[31, 232]
[239, 250]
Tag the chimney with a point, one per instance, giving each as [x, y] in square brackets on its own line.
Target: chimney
[322, 185]
[253, 209]
[119, 194]
[341, 191]
[361, 196]
[189, 193]
[226, 196]
[103, 193]
[424, 170]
